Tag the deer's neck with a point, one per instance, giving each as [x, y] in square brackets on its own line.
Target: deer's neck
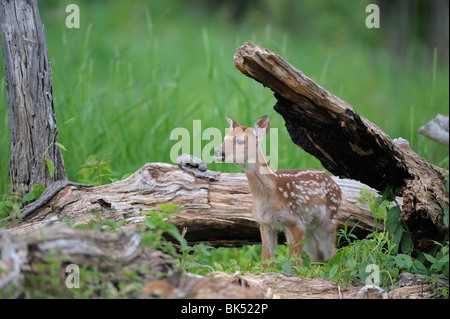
[260, 174]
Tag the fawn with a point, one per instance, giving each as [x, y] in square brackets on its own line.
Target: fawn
[301, 203]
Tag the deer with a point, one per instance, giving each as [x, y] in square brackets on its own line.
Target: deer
[301, 203]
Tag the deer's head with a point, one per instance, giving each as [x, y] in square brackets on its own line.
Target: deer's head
[241, 144]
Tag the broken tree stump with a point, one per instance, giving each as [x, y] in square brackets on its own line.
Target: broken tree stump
[214, 211]
[437, 129]
[349, 145]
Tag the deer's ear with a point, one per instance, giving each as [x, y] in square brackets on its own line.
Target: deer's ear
[261, 127]
[232, 122]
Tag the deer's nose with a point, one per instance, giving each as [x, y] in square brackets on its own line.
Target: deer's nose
[218, 154]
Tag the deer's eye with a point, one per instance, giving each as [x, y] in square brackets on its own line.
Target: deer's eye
[240, 142]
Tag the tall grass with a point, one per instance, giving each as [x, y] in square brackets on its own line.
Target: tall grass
[134, 72]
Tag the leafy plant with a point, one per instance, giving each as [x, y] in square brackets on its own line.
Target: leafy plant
[157, 224]
[49, 163]
[10, 205]
[99, 223]
[95, 170]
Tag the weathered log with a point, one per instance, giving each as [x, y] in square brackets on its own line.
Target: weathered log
[437, 129]
[215, 211]
[282, 286]
[112, 253]
[349, 145]
[108, 252]
[32, 121]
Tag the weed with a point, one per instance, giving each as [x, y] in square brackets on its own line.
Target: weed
[11, 204]
[95, 170]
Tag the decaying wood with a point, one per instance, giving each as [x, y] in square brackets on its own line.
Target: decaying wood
[282, 286]
[437, 129]
[113, 253]
[109, 252]
[349, 145]
[214, 211]
[32, 121]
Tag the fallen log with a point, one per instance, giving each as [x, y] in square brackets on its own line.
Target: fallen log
[282, 286]
[349, 145]
[118, 253]
[112, 253]
[213, 210]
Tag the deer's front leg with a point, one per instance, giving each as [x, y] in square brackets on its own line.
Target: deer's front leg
[295, 235]
[269, 243]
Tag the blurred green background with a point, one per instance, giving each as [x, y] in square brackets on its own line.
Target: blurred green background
[135, 70]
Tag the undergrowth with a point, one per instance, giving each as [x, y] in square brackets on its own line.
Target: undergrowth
[377, 259]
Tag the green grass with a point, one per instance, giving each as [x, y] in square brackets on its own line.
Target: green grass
[133, 73]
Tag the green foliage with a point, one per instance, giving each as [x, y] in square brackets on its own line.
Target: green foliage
[11, 204]
[98, 223]
[157, 224]
[49, 163]
[95, 170]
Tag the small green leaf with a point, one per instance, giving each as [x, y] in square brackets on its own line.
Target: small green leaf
[218, 266]
[407, 242]
[61, 146]
[50, 167]
[173, 231]
[286, 266]
[392, 219]
[38, 189]
[168, 207]
[430, 258]
[419, 268]
[403, 261]
[111, 224]
[444, 259]
[29, 197]
[333, 271]
[67, 221]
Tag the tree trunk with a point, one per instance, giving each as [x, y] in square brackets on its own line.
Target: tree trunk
[215, 211]
[29, 95]
[349, 145]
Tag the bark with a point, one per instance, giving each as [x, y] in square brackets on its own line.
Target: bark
[349, 145]
[215, 211]
[29, 95]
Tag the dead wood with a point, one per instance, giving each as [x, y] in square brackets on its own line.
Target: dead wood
[437, 129]
[214, 211]
[282, 286]
[115, 253]
[109, 252]
[349, 145]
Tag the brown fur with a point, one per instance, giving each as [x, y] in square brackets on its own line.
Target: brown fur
[302, 203]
